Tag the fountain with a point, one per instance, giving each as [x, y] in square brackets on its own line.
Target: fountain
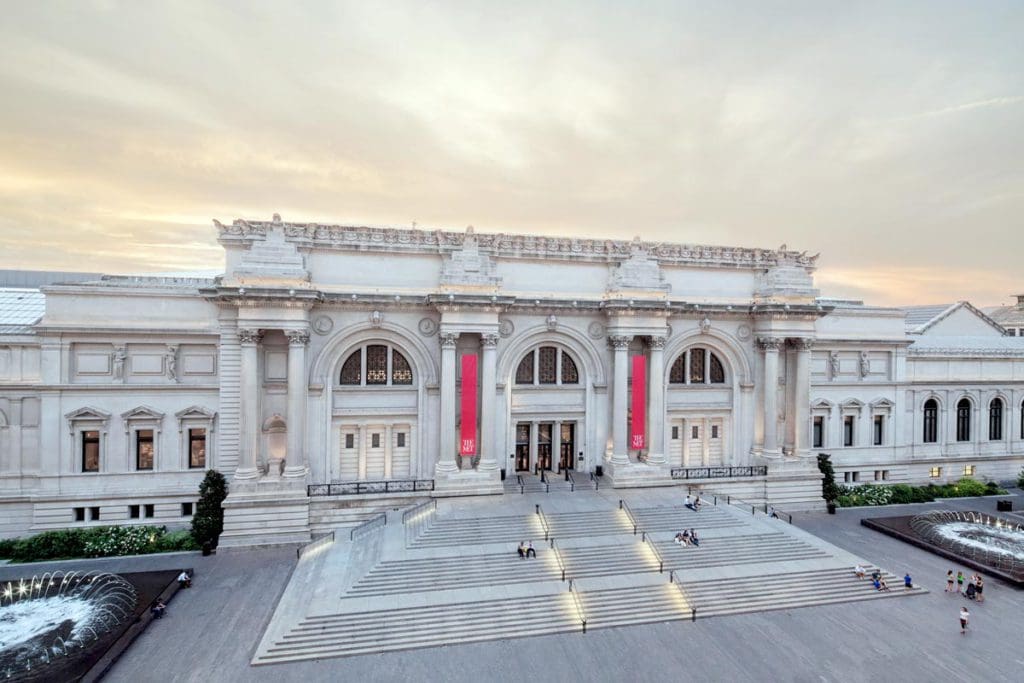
[57, 614]
[990, 540]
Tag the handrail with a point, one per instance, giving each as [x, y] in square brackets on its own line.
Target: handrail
[571, 479]
[352, 488]
[654, 547]
[368, 526]
[686, 596]
[544, 523]
[629, 513]
[558, 558]
[412, 518]
[580, 612]
[326, 539]
[519, 480]
[593, 479]
[754, 507]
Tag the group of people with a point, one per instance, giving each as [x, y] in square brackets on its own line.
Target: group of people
[687, 537]
[526, 550]
[878, 581]
[159, 608]
[692, 503]
[975, 586]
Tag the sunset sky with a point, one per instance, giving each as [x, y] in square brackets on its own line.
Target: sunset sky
[888, 136]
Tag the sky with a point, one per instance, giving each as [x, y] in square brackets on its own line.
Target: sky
[887, 136]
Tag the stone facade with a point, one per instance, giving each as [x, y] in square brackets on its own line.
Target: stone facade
[333, 354]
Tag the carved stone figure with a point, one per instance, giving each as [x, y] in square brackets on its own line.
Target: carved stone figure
[376, 318]
[552, 323]
[865, 364]
[833, 364]
[172, 362]
[705, 325]
[120, 355]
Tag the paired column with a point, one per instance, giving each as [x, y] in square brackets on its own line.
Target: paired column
[802, 394]
[249, 340]
[620, 396]
[295, 463]
[770, 347]
[656, 402]
[488, 382]
[447, 451]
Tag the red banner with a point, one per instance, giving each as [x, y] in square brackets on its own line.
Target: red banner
[467, 437]
[639, 416]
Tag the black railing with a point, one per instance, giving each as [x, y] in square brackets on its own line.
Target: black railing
[369, 525]
[578, 604]
[686, 597]
[572, 481]
[352, 488]
[767, 509]
[544, 523]
[654, 549]
[629, 513]
[414, 517]
[522, 487]
[719, 472]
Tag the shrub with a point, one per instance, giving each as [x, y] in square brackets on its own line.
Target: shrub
[176, 541]
[1020, 479]
[7, 547]
[110, 541]
[208, 521]
[49, 545]
[829, 489]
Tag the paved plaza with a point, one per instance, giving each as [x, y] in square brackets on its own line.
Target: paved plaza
[212, 630]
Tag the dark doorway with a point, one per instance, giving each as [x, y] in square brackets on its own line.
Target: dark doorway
[544, 430]
[523, 447]
[567, 455]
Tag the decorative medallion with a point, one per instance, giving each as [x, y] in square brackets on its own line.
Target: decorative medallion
[505, 327]
[322, 325]
[595, 330]
[376, 319]
[743, 332]
[428, 327]
[552, 323]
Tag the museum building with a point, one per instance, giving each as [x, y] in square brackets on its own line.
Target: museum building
[336, 367]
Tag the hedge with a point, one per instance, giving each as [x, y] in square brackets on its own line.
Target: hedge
[103, 541]
[890, 494]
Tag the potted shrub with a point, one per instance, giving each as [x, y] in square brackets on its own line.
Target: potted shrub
[829, 490]
[208, 521]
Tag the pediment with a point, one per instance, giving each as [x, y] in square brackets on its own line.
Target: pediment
[823, 404]
[87, 413]
[196, 412]
[142, 413]
[883, 403]
[853, 403]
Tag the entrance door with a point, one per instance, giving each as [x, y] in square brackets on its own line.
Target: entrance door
[567, 454]
[523, 447]
[544, 430]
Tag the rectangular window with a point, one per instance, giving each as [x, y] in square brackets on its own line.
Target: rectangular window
[968, 470]
[879, 429]
[150, 510]
[375, 441]
[848, 430]
[94, 514]
[819, 432]
[847, 477]
[350, 441]
[935, 472]
[878, 475]
[91, 451]
[695, 432]
[186, 509]
[856, 476]
[401, 440]
[675, 433]
[197, 448]
[714, 431]
[885, 475]
[133, 511]
[144, 449]
[79, 514]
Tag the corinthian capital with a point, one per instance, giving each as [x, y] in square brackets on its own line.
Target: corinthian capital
[657, 343]
[297, 337]
[448, 339]
[248, 335]
[769, 343]
[489, 340]
[802, 343]
[618, 341]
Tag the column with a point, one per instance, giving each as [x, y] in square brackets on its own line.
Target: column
[556, 446]
[414, 456]
[447, 452]
[802, 395]
[705, 442]
[534, 434]
[362, 452]
[656, 402]
[770, 346]
[295, 462]
[620, 396]
[686, 442]
[387, 451]
[489, 449]
[249, 387]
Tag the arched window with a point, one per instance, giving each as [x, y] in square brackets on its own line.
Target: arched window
[376, 365]
[547, 365]
[697, 366]
[931, 421]
[963, 420]
[995, 420]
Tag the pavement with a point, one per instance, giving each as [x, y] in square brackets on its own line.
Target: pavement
[212, 630]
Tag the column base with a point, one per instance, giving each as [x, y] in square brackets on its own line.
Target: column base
[273, 514]
[468, 482]
[445, 468]
[633, 475]
[487, 465]
[295, 472]
[247, 473]
[656, 459]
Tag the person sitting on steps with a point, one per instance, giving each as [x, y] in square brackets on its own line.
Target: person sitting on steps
[158, 609]
[689, 503]
[184, 580]
[522, 550]
[693, 537]
[530, 550]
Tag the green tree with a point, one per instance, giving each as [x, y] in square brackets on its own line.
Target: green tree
[208, 521]
[829, 490]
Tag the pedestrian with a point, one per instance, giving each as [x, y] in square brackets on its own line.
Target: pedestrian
[959, 582]
[907, 583]
[875, 574]
[689, 502]
[530, 550]
[184, 580]
[964, 616]
[772, 513]
[522, 550]
[693, 537]
[979, 585]
[158, 609]
[949, 581]
[697, 504]
[860, 571]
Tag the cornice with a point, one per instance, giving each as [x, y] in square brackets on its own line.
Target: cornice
[508, 245]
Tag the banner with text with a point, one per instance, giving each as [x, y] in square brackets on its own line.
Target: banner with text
[467, 440]
[639, 406]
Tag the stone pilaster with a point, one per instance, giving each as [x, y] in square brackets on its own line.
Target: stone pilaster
[656, 402]
[620, 397]
[249, 339]
[295, 463]
[447, 453]
[802, 395]
[488, 446]
[770, 346]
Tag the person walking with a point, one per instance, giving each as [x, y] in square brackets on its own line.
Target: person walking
[959, 582]
[964, 617]
[949, 581]
[978, 586]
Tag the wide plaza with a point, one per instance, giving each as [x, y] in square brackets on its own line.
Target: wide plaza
[213, 630]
